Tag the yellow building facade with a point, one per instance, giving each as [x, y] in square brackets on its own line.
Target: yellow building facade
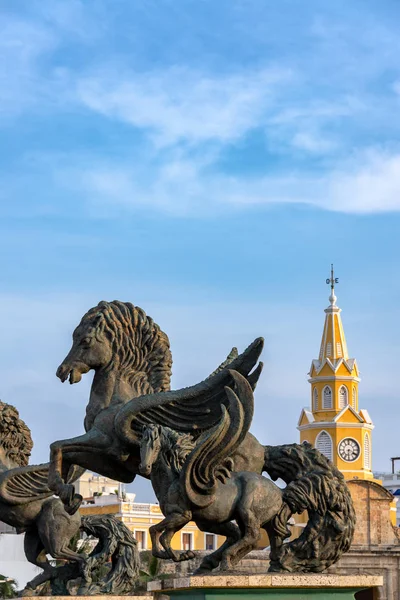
[333, 422]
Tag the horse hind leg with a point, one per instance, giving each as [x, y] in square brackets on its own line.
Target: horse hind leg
[36, 554]
[277, 530]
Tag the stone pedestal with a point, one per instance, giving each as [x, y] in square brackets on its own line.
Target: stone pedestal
[269, 587]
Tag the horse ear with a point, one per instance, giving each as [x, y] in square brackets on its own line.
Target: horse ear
[159, 429]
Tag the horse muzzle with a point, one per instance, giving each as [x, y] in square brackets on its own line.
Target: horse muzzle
[72, 371]
[145, 470]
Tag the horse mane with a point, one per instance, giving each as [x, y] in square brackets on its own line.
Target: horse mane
[140, 348]
[15, 435]
[297, 460]
[176, 447]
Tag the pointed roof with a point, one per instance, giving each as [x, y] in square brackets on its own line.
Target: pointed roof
[333, 355]
[333, 344]
[306, 417]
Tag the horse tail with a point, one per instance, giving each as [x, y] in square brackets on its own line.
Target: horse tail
[314, 485]
[211, 460]
[116, 544]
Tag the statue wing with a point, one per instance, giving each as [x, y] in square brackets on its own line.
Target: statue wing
[28, 484]
[210, 460]
[196, 408]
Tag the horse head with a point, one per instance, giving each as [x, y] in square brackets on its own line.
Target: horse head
[91, 347]
[120, 339]
[150, 447]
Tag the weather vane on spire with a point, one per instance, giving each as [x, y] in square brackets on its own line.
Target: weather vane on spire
[332, 280]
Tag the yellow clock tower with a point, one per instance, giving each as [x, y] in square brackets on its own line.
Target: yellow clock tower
[334, 423]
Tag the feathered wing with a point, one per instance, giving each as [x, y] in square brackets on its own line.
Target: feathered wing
[28, 484]
[211, 460]
[189, 409]
[230, 358]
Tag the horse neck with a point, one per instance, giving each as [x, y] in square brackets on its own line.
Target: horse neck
[162, 475]
[101, 394]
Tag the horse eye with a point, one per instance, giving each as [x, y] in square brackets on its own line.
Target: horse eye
[86, 341]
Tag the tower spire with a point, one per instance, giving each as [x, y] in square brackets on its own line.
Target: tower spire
[335, 425]
[333, 344]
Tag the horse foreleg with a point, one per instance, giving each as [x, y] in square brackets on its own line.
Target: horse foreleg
[163, 532]
[92, 441]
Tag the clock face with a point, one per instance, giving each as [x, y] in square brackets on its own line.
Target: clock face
[349, 449]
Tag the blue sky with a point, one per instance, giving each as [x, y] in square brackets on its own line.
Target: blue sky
[206, 161]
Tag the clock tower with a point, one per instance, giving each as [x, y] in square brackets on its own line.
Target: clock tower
[334, 423]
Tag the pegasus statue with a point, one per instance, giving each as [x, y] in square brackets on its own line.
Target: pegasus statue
[131, 359]
[29, 505]
[203, 487]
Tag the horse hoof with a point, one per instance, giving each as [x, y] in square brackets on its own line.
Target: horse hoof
[75, 503]
[225, 566]
[27, 591]
[202, 571]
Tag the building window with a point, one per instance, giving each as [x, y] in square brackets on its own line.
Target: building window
[343, 397]
[367, 452]
[210, 541]
[354, 398]
[339, 349]
[187, 541]
[329, 349]
[327, 397]
[323, 443]
[140, 537]
[315, 399]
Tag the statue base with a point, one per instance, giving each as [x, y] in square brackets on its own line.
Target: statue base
[282, 586]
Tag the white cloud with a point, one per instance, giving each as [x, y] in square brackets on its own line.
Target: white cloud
[368, 183]
[373, 186]
[313, 142]
[180, 105]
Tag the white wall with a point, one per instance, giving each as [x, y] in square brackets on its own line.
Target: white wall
[13, 562]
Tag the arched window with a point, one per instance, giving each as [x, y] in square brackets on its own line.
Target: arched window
[315, 399]
[323, 443]
[329, 349]
[327, 403]
[367, 452]
[343, 396]
[354, 398]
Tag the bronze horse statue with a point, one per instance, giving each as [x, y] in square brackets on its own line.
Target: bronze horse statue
[27, 503]
[131, 359]
[195, 482]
